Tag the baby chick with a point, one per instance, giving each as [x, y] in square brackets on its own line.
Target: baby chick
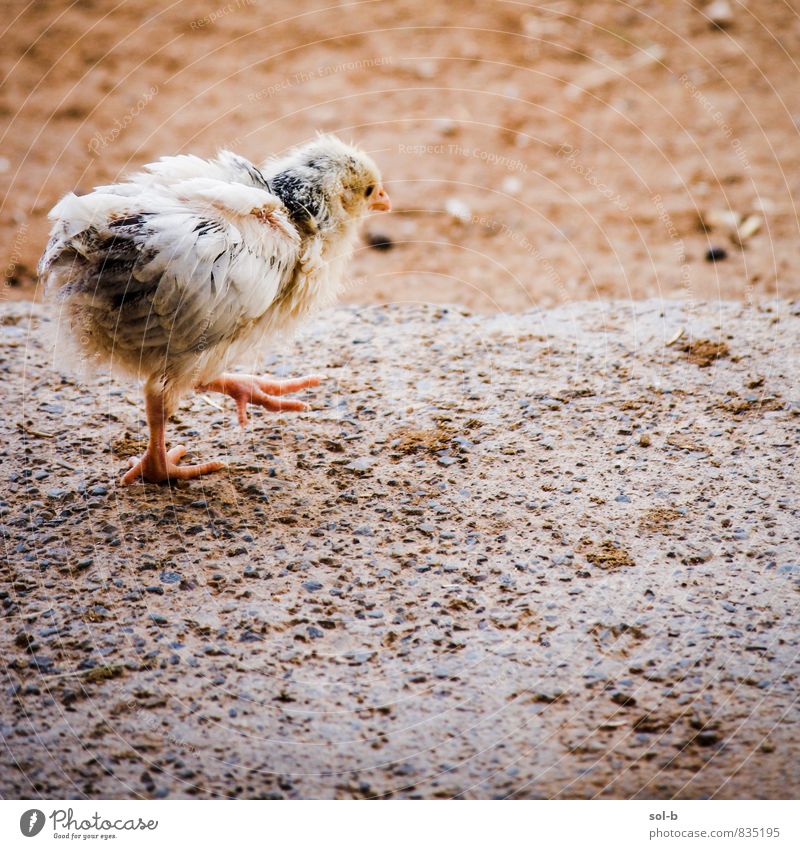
[177, 274]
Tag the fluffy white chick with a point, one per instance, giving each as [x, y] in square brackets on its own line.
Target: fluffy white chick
[175, 275]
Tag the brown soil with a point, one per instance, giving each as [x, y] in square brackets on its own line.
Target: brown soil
[703, 352]
[608, 555]
[412, 440]
[659, 520]
[573, 164]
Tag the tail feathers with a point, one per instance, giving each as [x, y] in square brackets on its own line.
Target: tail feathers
[75, 214]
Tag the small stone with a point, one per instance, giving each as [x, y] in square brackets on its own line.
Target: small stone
[645, 440]
[458, 210]
[446, 126]
[720, 14]
[707, 738]
[379, 242]
[312, 586]
[715, 254]
[360, 464]
[427, 69]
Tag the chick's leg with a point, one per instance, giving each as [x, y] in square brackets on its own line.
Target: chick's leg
[250, 389]
[157, 464]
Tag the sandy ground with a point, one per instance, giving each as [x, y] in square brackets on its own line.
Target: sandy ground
[540, 555]
[537, 154]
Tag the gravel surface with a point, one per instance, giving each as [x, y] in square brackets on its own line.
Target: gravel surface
[539, 555]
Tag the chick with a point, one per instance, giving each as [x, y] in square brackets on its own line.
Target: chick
[175, 275]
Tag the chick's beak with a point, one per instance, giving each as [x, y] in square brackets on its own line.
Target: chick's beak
[380, 201]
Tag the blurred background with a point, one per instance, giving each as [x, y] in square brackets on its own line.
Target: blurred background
[536, 153]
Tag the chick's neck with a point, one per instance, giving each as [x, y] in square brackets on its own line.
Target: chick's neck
[305, 200]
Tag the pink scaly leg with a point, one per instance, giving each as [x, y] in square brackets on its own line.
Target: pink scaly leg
[158, 465]
[250, 389]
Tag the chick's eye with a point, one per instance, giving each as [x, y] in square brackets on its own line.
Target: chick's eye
[368, 192]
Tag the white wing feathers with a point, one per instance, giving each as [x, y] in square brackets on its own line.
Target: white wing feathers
[187, 255]
[169, 170]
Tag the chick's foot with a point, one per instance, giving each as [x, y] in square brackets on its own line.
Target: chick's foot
[161, 466]
[265, 392]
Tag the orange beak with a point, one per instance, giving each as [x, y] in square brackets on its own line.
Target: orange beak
[380, 202]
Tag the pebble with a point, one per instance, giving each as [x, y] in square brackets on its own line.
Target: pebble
[720, 14]
[707, 738]
[360, 464]
[458, 210]
[379, 241]
[716, 254]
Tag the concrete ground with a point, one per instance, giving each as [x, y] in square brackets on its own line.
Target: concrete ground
[539, 555]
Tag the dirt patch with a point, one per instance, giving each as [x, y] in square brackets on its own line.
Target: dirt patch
[685, 443]
[703, 352]
[430, 440]
[129, 445]
[607, 555]
[659, 520]
[742, 406]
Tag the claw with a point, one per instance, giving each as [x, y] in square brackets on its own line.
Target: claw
[155, 469]
[249, 389]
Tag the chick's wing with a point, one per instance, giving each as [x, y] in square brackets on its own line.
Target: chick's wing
[177, 268]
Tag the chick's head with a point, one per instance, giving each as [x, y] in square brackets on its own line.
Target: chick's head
[336, 182]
